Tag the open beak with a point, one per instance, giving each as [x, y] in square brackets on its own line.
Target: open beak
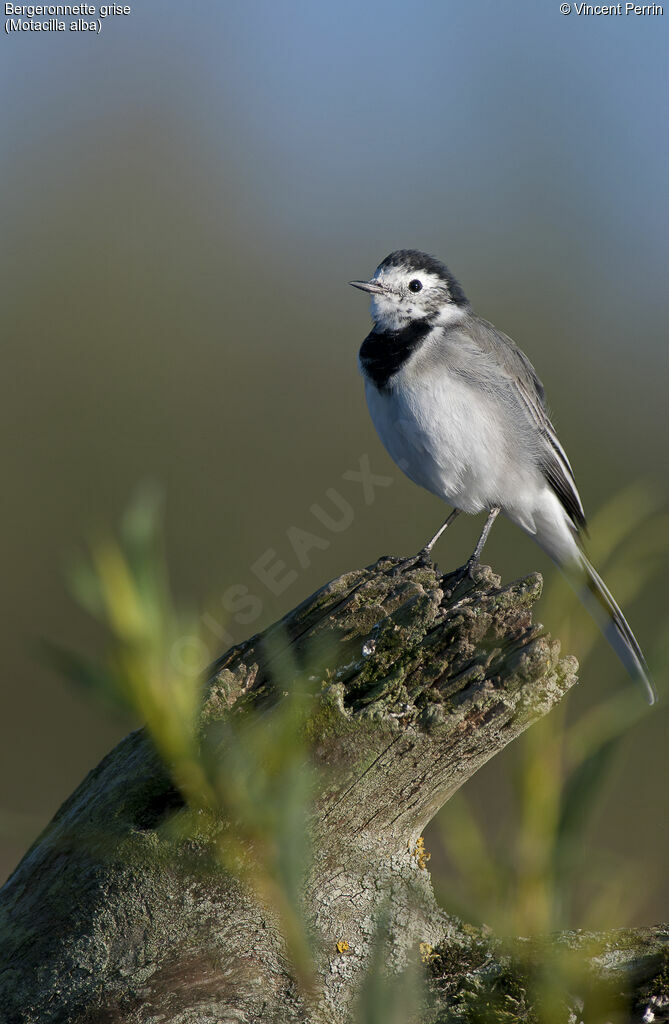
[368, 286]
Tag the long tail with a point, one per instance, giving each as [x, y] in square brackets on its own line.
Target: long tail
[552, 529]
[601, 604]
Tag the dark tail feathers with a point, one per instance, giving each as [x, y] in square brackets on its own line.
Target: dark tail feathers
[598, 598]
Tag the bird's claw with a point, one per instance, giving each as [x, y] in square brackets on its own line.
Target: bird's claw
[470, 568]
[468, 571]
[422, 558]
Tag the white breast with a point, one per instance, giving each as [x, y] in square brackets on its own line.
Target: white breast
[450, 438]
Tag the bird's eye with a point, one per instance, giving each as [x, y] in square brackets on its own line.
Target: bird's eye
[415, 285]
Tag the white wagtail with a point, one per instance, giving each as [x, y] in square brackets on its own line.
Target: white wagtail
[462, 412]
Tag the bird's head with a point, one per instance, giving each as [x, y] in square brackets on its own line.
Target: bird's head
[410, 285]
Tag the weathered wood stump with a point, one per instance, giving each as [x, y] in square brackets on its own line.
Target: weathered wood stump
[423, 678]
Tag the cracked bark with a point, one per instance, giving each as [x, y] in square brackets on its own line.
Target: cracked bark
[424, 678]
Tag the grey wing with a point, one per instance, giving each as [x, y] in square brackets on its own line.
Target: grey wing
[516, 367]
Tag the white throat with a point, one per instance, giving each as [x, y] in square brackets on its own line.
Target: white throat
[387, 316]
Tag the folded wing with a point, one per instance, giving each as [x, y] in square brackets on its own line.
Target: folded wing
[529, 391]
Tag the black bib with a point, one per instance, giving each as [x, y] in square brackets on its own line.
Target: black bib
[383, 353]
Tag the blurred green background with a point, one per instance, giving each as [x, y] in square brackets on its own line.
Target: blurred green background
[184, 199]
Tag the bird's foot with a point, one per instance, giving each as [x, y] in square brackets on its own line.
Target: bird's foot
[422, 558]
[469, 571]
[471, 568]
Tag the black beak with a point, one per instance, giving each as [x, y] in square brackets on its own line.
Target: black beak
[368, 286]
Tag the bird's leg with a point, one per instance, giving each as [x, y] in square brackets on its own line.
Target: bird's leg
[425, 552]
[476, 554]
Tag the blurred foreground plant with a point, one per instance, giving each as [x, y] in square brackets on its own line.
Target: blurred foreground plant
[246, 780]
[124, 586]
[251, 772]
[524, 882]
